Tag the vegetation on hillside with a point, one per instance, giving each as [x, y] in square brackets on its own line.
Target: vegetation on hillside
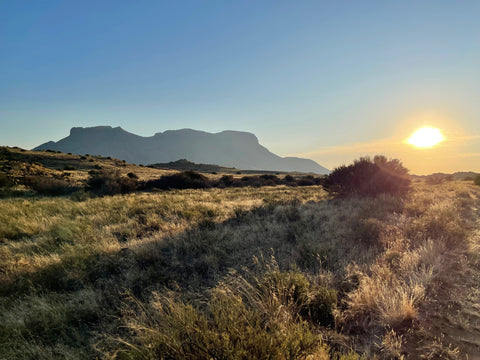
[52, 173]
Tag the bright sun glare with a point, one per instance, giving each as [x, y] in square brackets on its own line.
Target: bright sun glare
[426, 137]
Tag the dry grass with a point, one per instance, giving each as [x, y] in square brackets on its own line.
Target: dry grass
[66, 267]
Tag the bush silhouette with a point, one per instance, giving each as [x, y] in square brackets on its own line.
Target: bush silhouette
[476, 180]
[184, 180]
[366, 177]
[110, 183]
[6, 181]
[45, 185]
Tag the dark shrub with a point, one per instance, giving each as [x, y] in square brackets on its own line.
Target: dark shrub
[292, 287]
[132, 175]
[306, 181]
[226, 181]
[5, 181]
[44, 185]
[476, 180]
[69, 167]
[320, 308]
[273, 178]
[366, 177]
[289, 178]
[110, 183]
[254, 181]
[184, 180]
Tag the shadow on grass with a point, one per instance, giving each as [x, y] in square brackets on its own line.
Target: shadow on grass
[300, 235]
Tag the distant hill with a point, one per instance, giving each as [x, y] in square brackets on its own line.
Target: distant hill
[459, 175]
[233, 149]
[185, 165]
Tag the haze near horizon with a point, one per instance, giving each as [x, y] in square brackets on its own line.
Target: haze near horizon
[328, 81]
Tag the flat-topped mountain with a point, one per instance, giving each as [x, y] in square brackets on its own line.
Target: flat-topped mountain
[227, 148]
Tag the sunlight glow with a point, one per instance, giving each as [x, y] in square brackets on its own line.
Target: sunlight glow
[426, 137]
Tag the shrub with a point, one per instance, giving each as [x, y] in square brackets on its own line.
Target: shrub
[305, 182]
[132, 175]
[44, 185]
[225, 181]
[69, 167]
[5, 181]
[273, 178]
[476, 180]
[184, 180]
[436, 179]
[110, 183]
[366, 177]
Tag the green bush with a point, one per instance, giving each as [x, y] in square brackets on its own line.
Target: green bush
[366, 177]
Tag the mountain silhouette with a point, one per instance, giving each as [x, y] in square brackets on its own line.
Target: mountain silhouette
[227, 148]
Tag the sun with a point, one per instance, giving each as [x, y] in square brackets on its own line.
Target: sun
[426, 137]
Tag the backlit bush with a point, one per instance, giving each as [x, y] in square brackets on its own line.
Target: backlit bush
[366, 177]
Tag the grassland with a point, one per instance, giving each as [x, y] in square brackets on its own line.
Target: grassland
[240, 273]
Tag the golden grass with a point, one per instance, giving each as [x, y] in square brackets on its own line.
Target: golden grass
[66, 265]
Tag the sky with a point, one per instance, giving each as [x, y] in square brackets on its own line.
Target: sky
[328, 80]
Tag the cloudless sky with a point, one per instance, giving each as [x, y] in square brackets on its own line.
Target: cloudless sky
[329, 80]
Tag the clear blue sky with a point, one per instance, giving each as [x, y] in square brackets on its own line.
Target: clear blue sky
[327, 79]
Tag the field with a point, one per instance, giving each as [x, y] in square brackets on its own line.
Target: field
[272, 272]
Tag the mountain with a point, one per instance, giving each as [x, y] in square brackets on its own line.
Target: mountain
[227, 148]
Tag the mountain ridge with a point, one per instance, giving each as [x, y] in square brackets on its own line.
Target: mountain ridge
[227, 148]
